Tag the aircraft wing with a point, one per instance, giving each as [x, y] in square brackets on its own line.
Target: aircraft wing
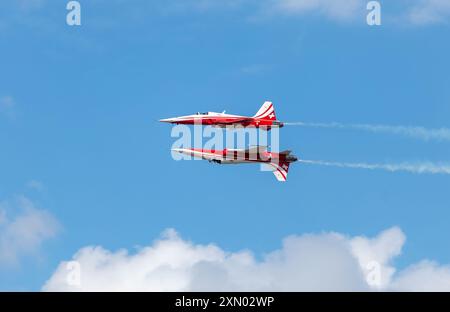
[211, 157]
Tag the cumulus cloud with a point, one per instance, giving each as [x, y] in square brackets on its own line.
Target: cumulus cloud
[310, 262]
[430, 12]
[379, 250]
[28, 4]
[419, 12]
[177, 6]
[24, 233]
[335, 9]
[424, 276]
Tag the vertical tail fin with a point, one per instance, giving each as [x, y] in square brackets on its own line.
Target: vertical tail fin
[280, 170]
[266, 111]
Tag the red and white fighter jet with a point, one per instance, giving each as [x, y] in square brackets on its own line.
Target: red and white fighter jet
[278, 162]
[264, 118]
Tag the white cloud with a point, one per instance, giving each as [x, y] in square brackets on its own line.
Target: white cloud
[334, 9]
[424, 276]
[29, 4]
[201, 5]
[430, 12]
[24, 234]
[417, 12]
[322, 262]
[380, 249]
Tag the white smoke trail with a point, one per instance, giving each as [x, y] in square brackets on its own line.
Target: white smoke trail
[442, 134]
[419, 168]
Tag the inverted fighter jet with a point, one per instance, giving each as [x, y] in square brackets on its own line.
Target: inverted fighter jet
[264, 118]
[277, 162]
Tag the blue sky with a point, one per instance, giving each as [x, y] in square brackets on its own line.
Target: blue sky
[84, 104]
